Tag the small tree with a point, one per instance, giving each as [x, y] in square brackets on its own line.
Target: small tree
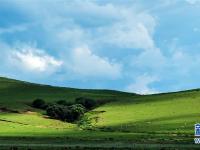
[66, 113]
[61, 102]
[65, 103]
[54, 111]
[39, 103]
[86, 102]
[77, 111]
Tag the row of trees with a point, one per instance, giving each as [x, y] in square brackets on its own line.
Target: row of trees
[66, 111]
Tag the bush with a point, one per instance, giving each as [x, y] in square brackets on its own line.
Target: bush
[77, 111]
[39, 103]
[86, 102]
[61, 102]
[65, 103]
[66, 113]
[54, 111]
[69, 103]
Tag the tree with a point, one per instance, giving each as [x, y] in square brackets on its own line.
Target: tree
[66, 113]
[61, 102]
[65, 103]
[86, 102]
[77, 111]
[54, 111]
[39, 103]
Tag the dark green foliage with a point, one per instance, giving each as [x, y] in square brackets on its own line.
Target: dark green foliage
[66, 113]
[61, 102]
[39, 103]
[54, 111]
[69, 103]
[85, 123]
[86, 102]
[77, 111]
[65, 103]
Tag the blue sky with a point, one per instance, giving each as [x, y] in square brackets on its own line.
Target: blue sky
[130, 45]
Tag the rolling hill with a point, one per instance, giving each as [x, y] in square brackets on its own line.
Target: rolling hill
[126, 120]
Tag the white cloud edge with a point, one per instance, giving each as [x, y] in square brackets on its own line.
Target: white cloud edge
[35, 60]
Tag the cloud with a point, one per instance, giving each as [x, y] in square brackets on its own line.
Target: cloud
[34, 60]
[192, 2]
[93, 23]
[14, 28]
[152, 59]
[184, 63]
[128, 35]
[142, 85]
[86, 64]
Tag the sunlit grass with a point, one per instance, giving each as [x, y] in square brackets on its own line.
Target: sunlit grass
[170, 114]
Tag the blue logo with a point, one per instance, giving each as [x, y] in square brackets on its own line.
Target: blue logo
[197, 129]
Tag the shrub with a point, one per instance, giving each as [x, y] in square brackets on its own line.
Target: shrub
[65, 103]
[69, 103]
[54, 111]
[86, 102]
[61, 102]
[39, 103]
[66, 113]
[77, 111]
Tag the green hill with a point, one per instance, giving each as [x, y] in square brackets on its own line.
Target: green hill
[18, 95]
[126, 120]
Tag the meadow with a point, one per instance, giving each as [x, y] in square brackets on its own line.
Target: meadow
[125, 121]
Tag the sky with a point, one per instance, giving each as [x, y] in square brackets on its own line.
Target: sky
[138, 46]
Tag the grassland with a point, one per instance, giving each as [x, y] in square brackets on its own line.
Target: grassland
[125, 121]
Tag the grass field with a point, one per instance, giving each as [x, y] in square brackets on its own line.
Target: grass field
[126, 121]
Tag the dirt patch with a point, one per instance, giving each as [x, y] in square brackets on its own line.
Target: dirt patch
[29, 112]
[46, 117]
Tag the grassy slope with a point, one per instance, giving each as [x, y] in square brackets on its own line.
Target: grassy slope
[165, 118]
[18, 95]
[174, 113]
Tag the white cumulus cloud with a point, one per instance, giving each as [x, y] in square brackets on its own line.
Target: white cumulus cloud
[34, 59]
[142, 85]
[85, 63]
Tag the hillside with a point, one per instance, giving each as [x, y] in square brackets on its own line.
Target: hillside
[126, 119]
[19, 95]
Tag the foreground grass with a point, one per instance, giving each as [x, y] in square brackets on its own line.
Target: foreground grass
[87, 145]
